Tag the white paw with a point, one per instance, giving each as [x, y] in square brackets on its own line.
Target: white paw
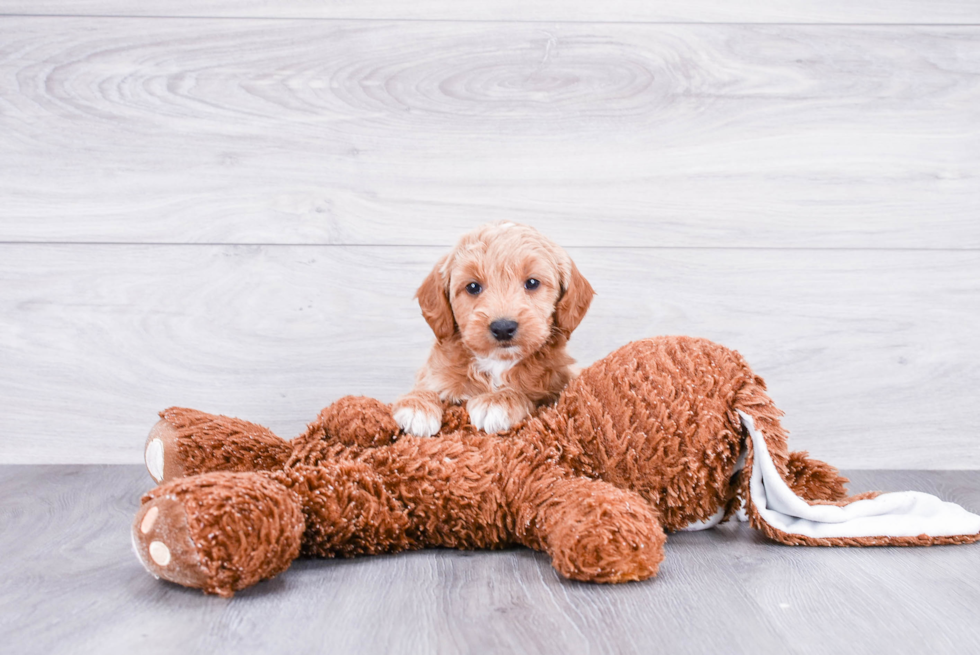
[154, 459]
[417, 422]
[488, 416]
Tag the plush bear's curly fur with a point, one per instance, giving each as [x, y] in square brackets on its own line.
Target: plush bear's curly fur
[644, 441]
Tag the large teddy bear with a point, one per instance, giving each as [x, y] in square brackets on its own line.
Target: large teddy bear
[664, 434]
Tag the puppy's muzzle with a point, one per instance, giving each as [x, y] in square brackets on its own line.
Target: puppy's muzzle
[503, 329]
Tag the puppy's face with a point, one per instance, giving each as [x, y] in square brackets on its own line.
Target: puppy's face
[503, 300]
[504, 289]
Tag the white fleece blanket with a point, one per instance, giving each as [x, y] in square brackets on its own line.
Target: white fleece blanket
[900, 514]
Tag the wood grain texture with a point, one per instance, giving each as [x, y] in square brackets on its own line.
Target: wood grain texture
[873, 354]
[379, 132]
[713, 11]
[69, 583]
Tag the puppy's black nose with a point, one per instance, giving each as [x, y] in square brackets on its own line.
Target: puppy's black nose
[503, 329]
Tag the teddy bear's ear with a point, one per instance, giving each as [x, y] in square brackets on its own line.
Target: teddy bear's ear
[574, 301]
[433, 297]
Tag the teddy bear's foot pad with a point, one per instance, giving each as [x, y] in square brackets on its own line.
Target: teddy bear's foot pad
[160, 452]
[220, 531]
[162, 541]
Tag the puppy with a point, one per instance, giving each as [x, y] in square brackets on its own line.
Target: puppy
[502, 305]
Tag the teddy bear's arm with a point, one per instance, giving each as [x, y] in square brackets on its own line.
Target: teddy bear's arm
[593, 530]
[477, 491]
[357, 422]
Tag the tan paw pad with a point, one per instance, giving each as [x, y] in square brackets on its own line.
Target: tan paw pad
[160, 553]
[149, 519]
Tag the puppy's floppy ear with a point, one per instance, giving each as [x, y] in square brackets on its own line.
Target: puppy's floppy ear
[433, 297]
[574, 301]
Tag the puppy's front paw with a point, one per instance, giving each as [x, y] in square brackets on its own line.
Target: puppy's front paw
[418, 415]
[492, 413]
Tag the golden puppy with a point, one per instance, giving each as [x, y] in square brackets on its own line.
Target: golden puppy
[502, 305]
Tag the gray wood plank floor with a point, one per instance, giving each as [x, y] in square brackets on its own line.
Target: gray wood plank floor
[69, 583]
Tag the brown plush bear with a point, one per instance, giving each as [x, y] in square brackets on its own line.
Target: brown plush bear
[660, 435]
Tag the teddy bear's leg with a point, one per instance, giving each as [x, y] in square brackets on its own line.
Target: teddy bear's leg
[349, 509]
[222, 531]
[593, 530]
[219, 532]
[188, 442]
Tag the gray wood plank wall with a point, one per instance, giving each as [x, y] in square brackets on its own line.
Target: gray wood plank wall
[229, 205]
[962, 12]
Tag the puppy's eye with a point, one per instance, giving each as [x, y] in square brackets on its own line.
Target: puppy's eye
[473, 288]
[531, 284]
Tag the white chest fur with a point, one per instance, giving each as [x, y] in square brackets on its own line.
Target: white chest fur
[494, 369]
